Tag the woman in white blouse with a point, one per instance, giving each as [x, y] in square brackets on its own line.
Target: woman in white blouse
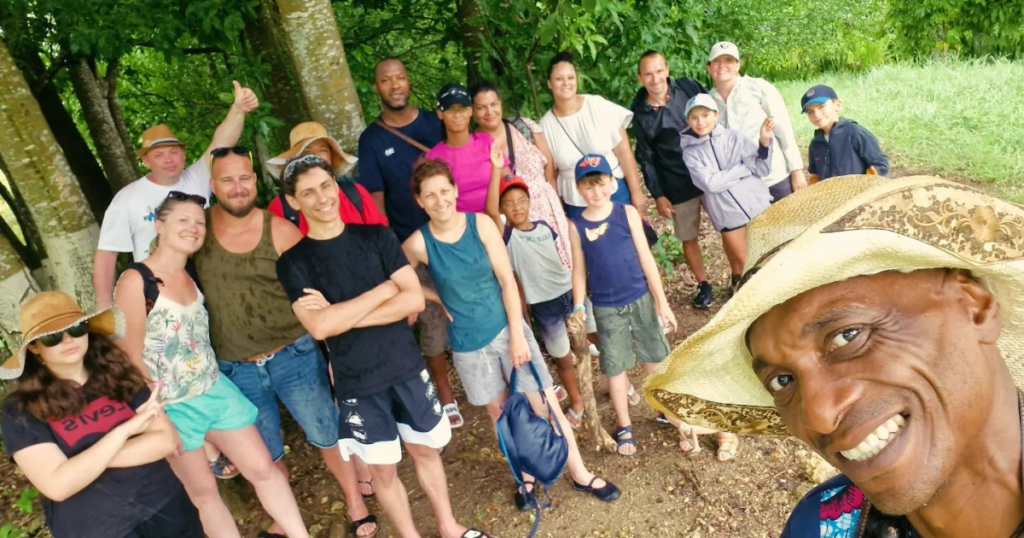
[582, 124]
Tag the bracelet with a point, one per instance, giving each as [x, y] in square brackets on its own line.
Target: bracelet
[579, 307]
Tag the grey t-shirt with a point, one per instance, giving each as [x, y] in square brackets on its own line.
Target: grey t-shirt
[535, 261]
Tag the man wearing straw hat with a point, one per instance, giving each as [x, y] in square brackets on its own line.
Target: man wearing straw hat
[128, 221]
[882, 323]
[355, 205]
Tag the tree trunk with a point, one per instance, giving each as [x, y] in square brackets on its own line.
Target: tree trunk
[58, 207]
[585, 380]
[117, 161]
[29, 231]
[472, 43]
[117, 114]
[83, 163]
[16, 286]
[263, 155]
[318, 60]
[265, 37]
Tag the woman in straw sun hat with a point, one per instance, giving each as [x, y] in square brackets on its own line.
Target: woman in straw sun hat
[168, 340]
[882, 323]
[86, 431]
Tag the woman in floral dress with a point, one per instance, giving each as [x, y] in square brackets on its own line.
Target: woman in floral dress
[168, 340]
[529, 159]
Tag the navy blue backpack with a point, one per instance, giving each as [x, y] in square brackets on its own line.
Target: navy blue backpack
[530, 444]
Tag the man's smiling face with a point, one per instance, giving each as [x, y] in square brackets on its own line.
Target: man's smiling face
[887, 376]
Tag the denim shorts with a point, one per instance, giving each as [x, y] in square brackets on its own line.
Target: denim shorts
[551, 316]
[221, 407]
[296, 375]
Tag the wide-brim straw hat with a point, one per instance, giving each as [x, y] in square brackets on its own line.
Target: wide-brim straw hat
[301, 137]
[157, 136]
[830, 232]
[52, 312]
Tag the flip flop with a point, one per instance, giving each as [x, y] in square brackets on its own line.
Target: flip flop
[473, 533]
[368, 483]
[371, 519]
[452, 412]
[575, 420]
[727, 445]
[219, 465]
[689, 436]
[634, 396]
[560, 393]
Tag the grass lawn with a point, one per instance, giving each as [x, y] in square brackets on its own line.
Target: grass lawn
[948, 117]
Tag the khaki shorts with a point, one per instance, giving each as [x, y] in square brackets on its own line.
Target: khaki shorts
[629, 335]
[433, 322]
[686, 220]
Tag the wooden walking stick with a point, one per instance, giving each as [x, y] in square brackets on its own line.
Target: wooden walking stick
[585, 379]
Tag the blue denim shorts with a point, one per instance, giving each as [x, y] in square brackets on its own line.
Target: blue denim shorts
[297, 376]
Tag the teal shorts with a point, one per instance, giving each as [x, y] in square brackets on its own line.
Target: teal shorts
[629, 334]
[222, 407]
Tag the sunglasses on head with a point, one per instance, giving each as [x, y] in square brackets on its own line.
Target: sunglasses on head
[305, 159]
[241, 151]
[178, 195]
[77, 330]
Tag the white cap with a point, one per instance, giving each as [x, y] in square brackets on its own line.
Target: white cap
[724, 47]
[700, 100]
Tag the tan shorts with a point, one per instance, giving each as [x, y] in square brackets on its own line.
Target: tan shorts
[686, 220]
[432, 321]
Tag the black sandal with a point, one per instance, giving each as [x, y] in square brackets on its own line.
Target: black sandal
[607, 493]
[368, 483]
[525, 499]
[371, 519]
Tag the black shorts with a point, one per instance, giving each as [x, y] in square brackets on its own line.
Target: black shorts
[177, 519]
[370, 426]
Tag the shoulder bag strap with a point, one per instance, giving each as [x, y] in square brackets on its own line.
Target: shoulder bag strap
[567, 135]
[511, 147]
[401, 135]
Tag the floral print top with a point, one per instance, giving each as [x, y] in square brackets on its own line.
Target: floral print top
[545, 203]
[177, 349]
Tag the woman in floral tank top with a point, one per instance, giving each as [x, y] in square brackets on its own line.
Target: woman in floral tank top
[168, 340]
[529, 159]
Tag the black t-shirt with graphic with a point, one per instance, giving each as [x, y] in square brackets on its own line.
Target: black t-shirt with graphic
[119, 499]
[365, 360]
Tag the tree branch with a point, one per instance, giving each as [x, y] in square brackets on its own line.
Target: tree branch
[188, 51]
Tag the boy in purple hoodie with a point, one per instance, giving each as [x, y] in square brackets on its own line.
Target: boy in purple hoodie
[728, 168]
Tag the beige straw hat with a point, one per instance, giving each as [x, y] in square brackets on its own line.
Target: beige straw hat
[158, 135]
[300, 138]
[51, 312]
[829, 232]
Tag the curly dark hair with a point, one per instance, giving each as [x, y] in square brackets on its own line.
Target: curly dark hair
[296, 166]
[47, 397]
[428, 168]
[564, 56]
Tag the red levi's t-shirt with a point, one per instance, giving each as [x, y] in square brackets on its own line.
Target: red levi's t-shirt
[348, 212]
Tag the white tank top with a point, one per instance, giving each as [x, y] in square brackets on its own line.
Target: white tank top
[177, 349]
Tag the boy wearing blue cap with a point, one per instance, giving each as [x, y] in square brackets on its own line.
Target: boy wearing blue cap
[611, 257]
[840, 146]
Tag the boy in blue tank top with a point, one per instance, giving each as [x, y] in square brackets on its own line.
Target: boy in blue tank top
[611, 257]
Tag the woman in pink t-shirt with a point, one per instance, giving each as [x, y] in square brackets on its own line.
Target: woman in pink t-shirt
[467, 153]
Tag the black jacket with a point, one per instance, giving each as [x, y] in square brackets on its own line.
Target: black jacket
[657, 141]
[850, 149]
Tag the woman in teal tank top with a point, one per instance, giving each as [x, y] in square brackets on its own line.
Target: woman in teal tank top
[489, 336]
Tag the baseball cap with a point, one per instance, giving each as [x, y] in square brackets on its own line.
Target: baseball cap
[817, 94]
[453, 94]
[509, 182]
[724, 47]
[700, 100]
[592, 164]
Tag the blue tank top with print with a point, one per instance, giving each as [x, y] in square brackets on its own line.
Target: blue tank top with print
[465, 281]
[614, 275]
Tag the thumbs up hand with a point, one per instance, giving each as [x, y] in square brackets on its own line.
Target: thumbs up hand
[245, 99]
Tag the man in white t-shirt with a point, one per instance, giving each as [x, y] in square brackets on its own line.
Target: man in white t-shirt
[128, 222]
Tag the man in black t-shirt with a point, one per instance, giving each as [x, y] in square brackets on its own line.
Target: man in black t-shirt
[352, 286]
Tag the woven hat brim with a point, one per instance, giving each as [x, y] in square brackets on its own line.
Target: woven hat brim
[858, 225]
[341, 162]
[110, 322]
[141, 152]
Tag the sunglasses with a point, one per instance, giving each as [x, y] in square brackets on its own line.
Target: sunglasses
[305, 159]
[241, 151]
[77, 330]
[178, 195]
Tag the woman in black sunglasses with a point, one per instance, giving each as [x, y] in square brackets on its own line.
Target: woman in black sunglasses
[168, 340]
[86, 430]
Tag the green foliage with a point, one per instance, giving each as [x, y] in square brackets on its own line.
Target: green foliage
[24, 502]
[929, 116]
[971, 27]
[668, 251]
[10, 531]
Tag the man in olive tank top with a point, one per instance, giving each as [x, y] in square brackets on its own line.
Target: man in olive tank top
[260, 345]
